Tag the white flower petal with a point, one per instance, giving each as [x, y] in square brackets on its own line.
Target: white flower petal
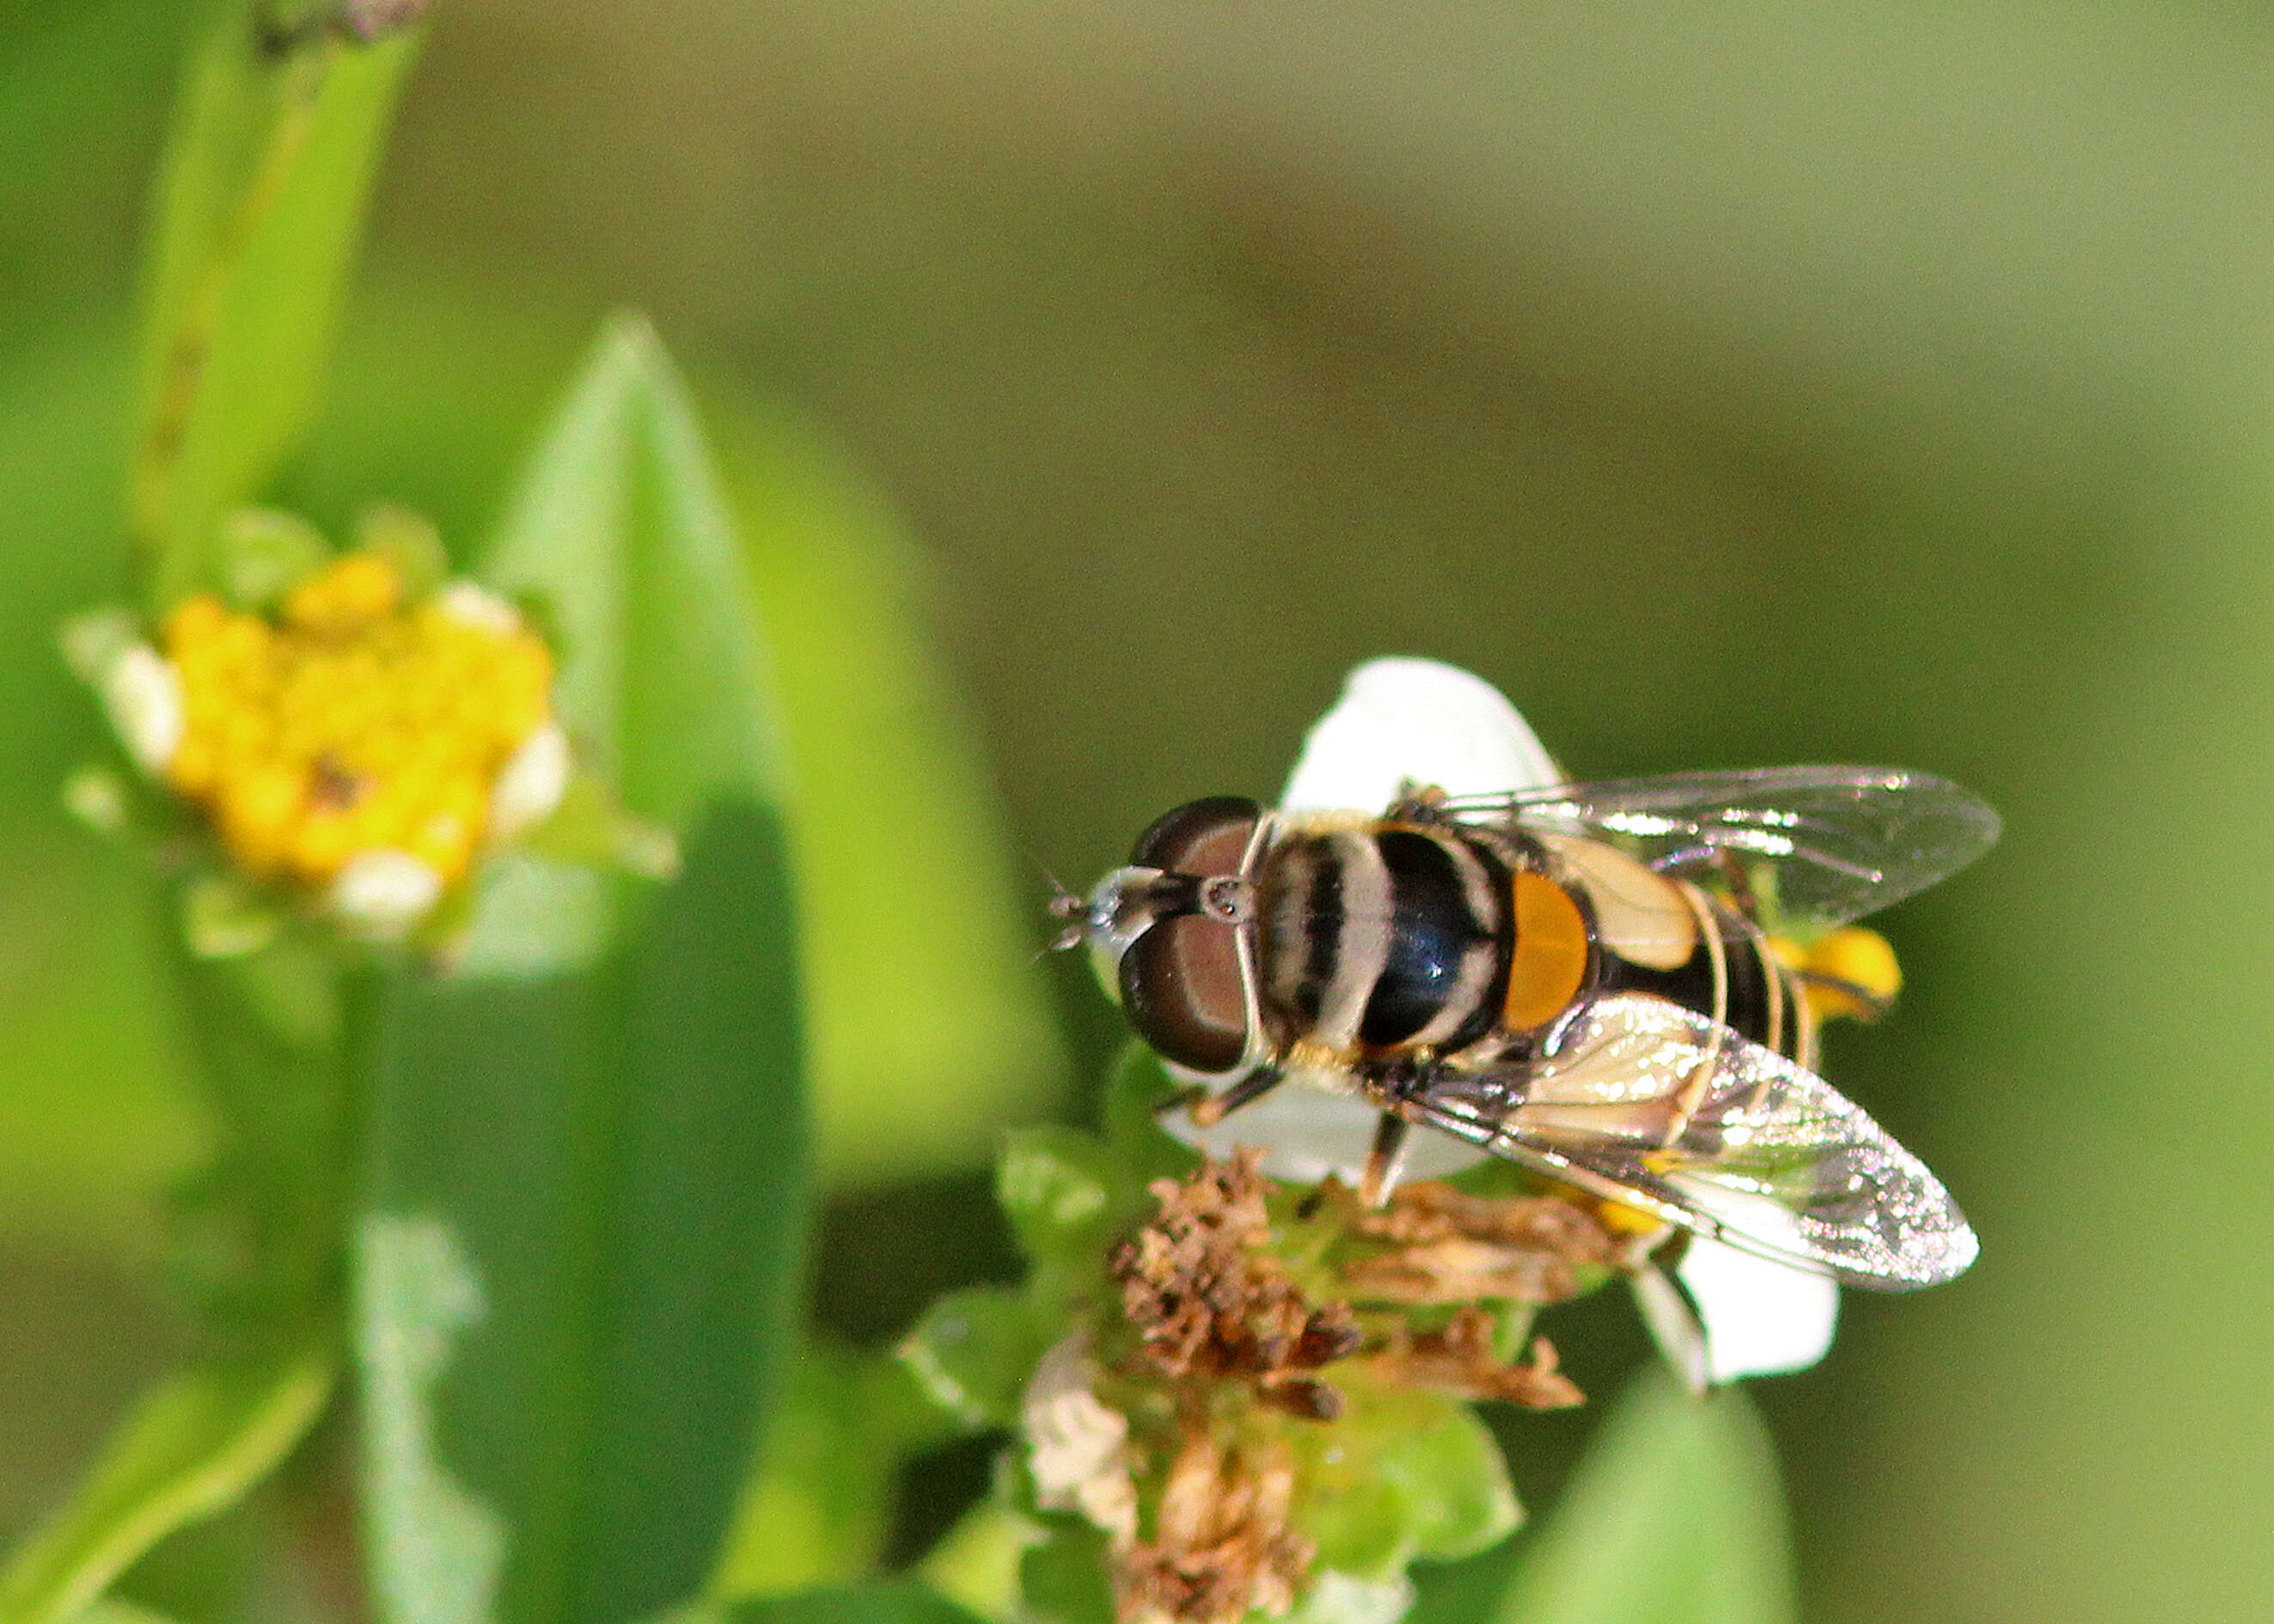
[385, 893]
[1306, 1134]
[1419, 720]
[477, 606]
[1760, 1317]
[1674, 1327]
[142, 694]
[530, 783]
[1075, 1444]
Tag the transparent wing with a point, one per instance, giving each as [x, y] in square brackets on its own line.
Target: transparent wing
[1840, 842]
[1656, 1106]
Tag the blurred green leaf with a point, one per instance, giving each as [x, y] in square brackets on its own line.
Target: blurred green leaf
[1061, 1579]
[110, 1610]
[919, 933]
[600, 1101]
[976, 1562]
[820, 1508]
[885, 1602]
[93, 1120]
[1674, 1517]
[256, 217]
[190, 1448]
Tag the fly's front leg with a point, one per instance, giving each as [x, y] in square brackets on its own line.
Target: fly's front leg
[1396, 1081]
[1206, 1108]
[1385, 1160]
[1418, 803]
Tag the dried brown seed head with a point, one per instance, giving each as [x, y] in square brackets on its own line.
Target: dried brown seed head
[1446, 1247]
[1458, 1359]
[1220, 1546]
[1207, 1296]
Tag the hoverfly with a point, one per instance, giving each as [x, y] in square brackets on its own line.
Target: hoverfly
[1576, 977]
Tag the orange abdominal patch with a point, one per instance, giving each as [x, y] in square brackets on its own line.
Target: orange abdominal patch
[1550, 959]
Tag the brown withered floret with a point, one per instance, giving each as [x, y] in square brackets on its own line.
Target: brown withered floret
[1450, 1247]
[1232, 1343]
[1222, 1546]
[1458, 1358]
[1211, 1303]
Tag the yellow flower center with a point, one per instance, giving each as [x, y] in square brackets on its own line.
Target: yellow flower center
[350, 723]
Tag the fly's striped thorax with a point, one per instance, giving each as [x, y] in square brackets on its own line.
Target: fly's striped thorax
[1381, 939]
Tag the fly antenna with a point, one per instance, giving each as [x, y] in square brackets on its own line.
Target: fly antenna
[1067, 905]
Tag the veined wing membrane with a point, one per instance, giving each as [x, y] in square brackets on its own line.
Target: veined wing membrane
[1656, 1106]
[1841, 841]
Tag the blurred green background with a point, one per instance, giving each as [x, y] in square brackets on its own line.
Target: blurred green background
[1751, 384]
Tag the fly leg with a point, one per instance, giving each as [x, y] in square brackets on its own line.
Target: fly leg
[1385, 1159]
[1418, 803]
[1206, 1108]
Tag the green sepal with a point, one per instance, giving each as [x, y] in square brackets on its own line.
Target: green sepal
[975, 1351]
[409, 542]
[1062, 1192]
[1401, 1475]
[224, 916]
[263, 553]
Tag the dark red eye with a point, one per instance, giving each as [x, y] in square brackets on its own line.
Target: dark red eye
[1180, 980]
[1180, 986]
[1202, 837]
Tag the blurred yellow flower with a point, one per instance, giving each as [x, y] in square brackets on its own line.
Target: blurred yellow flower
[359, 743]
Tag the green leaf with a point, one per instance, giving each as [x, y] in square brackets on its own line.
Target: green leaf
[258, 211]
[820, 1509]
[975, 1351]
[192, 1446]
[1675, 1517]
[598, 1105]
[885, 1602]
[620, 535]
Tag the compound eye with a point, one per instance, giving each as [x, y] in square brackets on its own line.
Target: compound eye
[1180, 980]
[1202, 837]
[1181, 989]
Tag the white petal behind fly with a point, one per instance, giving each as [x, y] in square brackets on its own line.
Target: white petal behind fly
[1404, 721]
[1306, 1134]
[1761, 1317]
